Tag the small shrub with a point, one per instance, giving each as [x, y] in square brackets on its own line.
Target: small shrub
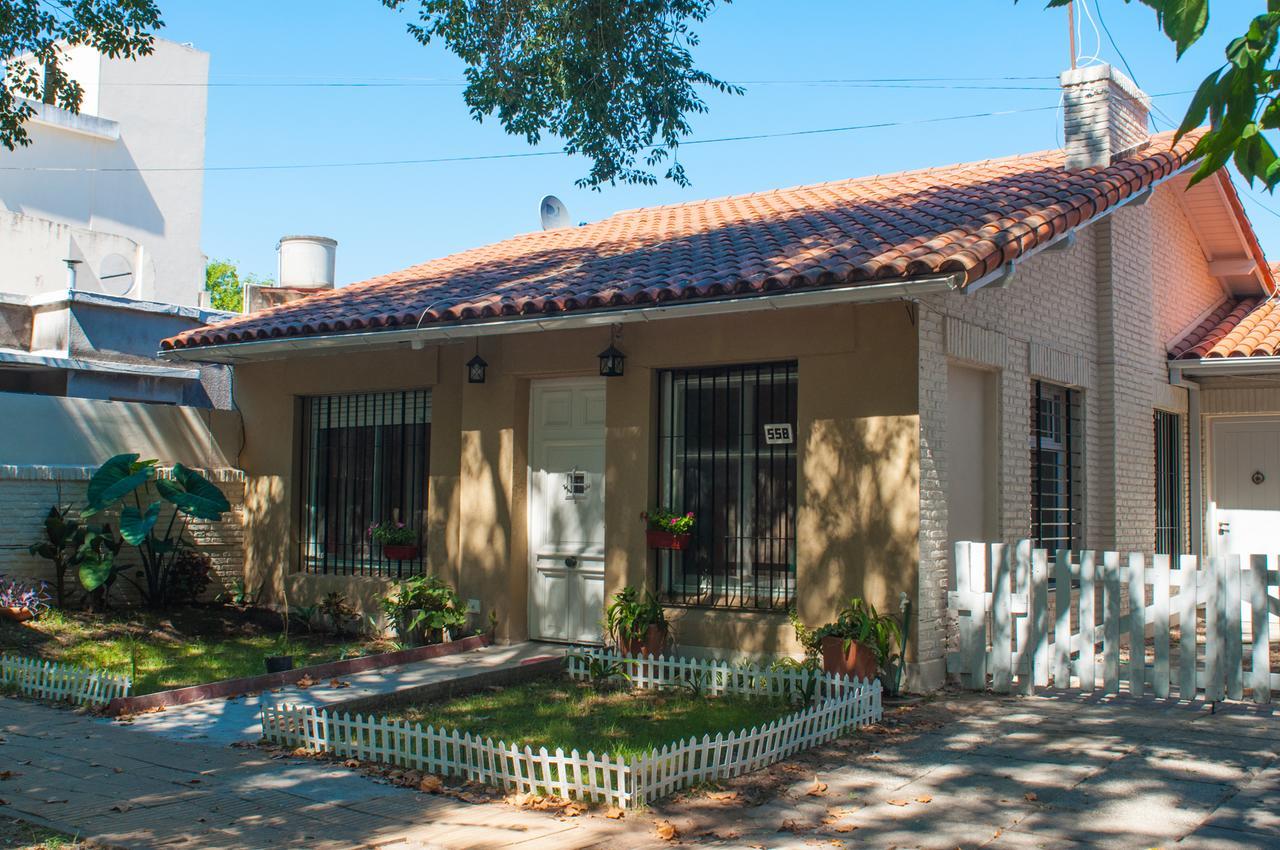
[340, 615]
[25, 594]
[189, 577]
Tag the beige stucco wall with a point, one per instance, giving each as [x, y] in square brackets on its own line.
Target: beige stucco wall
[857, 458]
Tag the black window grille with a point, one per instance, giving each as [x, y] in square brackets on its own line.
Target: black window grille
[717, 461]
[365, 460]
[1169, 487]
[1057, 446]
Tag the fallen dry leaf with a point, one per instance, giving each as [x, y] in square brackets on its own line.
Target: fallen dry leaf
[8, 774]
[898, 802]
[818, 789]
[722, 796]
[613, 813]
[338, 683]
[1031, 796]
[573, 810]
[122, 807]
[844, 827]
[351, 763]
[430, 783]
[300, 752]
[790, 825]
[666, 830]
[924, 798]
[305, 682]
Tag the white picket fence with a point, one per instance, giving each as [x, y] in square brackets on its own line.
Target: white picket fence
[1087, 620]
[63, 682]
[840, 704]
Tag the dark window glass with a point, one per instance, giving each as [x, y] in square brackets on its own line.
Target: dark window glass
[1057, 443]
[1169, 487]
[365, 460]
[728, 453]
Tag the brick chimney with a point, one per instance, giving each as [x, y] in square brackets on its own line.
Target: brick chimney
[1104, 116]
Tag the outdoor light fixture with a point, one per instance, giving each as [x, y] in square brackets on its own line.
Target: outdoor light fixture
[476, 366]
[611, 358]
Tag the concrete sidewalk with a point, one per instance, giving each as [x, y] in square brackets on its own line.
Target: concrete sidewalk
[223, 721]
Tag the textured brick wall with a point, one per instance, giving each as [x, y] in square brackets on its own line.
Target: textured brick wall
[27, 493]
[1094, 317]
[1104, 115]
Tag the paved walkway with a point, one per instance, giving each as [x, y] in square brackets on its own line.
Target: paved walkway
[1001, 773]
[223, 721]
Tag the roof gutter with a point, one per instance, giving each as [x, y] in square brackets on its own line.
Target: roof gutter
[1223, 367]
[269, 349]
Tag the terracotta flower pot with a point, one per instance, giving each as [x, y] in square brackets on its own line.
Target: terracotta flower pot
[653, 643]
[400, 552]
[18, 615]
[858, 661]
[667, 540]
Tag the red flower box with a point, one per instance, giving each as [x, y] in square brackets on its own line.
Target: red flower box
[667, 540]
[403, 552]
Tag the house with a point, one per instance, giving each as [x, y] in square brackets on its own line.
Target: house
[100, 240]
[100, 231]
[838, 380]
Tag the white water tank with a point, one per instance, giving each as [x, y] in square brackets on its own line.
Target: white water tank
[307, 262]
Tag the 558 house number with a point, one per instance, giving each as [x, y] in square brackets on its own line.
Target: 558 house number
[778, 434]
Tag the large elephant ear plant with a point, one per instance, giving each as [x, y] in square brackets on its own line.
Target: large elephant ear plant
[144, 500]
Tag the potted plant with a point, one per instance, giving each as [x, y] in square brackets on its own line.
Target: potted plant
[399, 541]
[424, 609]
[283, 659]
[23, 600]
[667, 530]
[637, 625]
[859, 643]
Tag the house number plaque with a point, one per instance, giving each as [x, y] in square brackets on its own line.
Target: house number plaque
[778, 434]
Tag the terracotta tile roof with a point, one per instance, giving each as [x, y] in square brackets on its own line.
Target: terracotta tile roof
[1247, 327]
[969, 219]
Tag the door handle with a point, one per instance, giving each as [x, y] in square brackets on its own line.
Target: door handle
[1224, 528]
[571, 562]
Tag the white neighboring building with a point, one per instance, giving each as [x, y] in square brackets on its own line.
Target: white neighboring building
[101, 256]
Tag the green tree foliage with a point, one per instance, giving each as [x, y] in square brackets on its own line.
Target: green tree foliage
[225, 286]
[614, 80]
[34, 35]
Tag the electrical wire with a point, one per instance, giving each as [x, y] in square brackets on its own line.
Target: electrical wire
[522, 155]
[1128, 70]
[430, 82]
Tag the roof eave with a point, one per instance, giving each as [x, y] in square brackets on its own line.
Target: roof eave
[271, 349]
[1208, 367]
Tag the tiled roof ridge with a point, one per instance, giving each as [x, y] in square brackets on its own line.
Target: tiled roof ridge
[966, 218]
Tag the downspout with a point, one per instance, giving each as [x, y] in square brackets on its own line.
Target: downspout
[1195, 475]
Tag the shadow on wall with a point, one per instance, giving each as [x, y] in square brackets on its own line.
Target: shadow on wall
[859, 521]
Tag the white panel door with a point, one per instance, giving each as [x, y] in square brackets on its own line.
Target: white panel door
[1244, 508]
[566, 510]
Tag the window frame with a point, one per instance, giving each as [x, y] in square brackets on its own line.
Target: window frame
[754, 510]
[1065, 435]
[397, 421]
[1170, 484]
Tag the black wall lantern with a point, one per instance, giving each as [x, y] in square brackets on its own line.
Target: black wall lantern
[611, 359]
[476, 366]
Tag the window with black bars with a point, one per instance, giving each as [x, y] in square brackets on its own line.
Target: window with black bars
[1057, 446]
[365, 460]
[728, 454]
[1169, 486]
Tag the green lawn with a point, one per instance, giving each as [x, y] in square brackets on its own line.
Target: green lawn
[20, 835]
[565, 714]
[171, 650]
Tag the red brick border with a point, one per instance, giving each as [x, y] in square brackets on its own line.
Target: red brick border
[252, 684]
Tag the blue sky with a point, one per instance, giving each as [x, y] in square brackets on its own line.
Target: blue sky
[389, 217]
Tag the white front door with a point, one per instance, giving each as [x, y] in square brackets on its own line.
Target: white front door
[566, 510]
[1244, 508]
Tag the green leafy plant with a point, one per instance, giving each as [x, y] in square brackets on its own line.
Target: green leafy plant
[660, 519]
[189, 576]
[859, 621]
[237, 593]
[603, 672]
[392, 532]
[306, 614]
[335, 609]
[812, 670]
[63, 538]
[424, 603]
[130, 484]
[630, 615]
[99, 565]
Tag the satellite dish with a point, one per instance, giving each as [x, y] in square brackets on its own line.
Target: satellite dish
[555, 214]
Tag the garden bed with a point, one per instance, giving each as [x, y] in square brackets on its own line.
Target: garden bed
[572, 715]
[183, 647]
[629, 773]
